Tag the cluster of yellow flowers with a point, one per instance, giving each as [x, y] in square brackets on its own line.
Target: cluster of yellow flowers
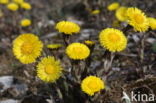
[134, 17]
[14, 5]
[27, 48]
[110, 38]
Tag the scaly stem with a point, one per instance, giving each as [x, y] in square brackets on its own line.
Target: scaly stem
[65, 39]
[107, 64]
[142, 53]
[75, 70]
[142, 48]
[87, 64]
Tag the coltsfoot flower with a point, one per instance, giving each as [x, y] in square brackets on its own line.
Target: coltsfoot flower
[152, 23]
[113, 39]
[89, 42]
[113, 6]
[67, 27]
[25, 22]
[92, 84]
[121, 13]
[13, 6]
[25, 6]
[27, 47]
[137, 19]
[77, 51]
[54, 46]
[49, 69]
[4, 1]
[95, 12]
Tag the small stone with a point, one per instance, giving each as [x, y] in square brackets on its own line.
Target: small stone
[6, 82]
[9, 101]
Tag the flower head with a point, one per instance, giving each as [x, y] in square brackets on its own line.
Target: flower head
[49, 69]
[4, 1]
[89, 42]
[27, 47]
[25, 22]
[113, 6]
[137, 19]
[25, 5]
[67, 27]
[113, 39]
[12, 6]
[121, 13]
[54, 46]
[95, 12]
[77, 51]
[152, 23]
[92, 84]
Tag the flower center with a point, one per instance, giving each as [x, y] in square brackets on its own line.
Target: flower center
[138, 18]
[92, 85]
[114, 37]
[26, 48]
[49, 69]
[77, 50]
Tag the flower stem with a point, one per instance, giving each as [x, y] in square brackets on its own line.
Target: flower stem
[65, 39]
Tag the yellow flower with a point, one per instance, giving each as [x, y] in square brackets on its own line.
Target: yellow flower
[113, 39]
[25, 6]
[54, 46]
[113, 6]
[137, 19]
[89, 42]
[25, 22]
[121, 13]
[152, 23]
[77, 51]
[92, 84]
[67, 27]
[12, 6]
[18, 1]
[4, 1]
[27, 47]
[94, 12]
[49, 69]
